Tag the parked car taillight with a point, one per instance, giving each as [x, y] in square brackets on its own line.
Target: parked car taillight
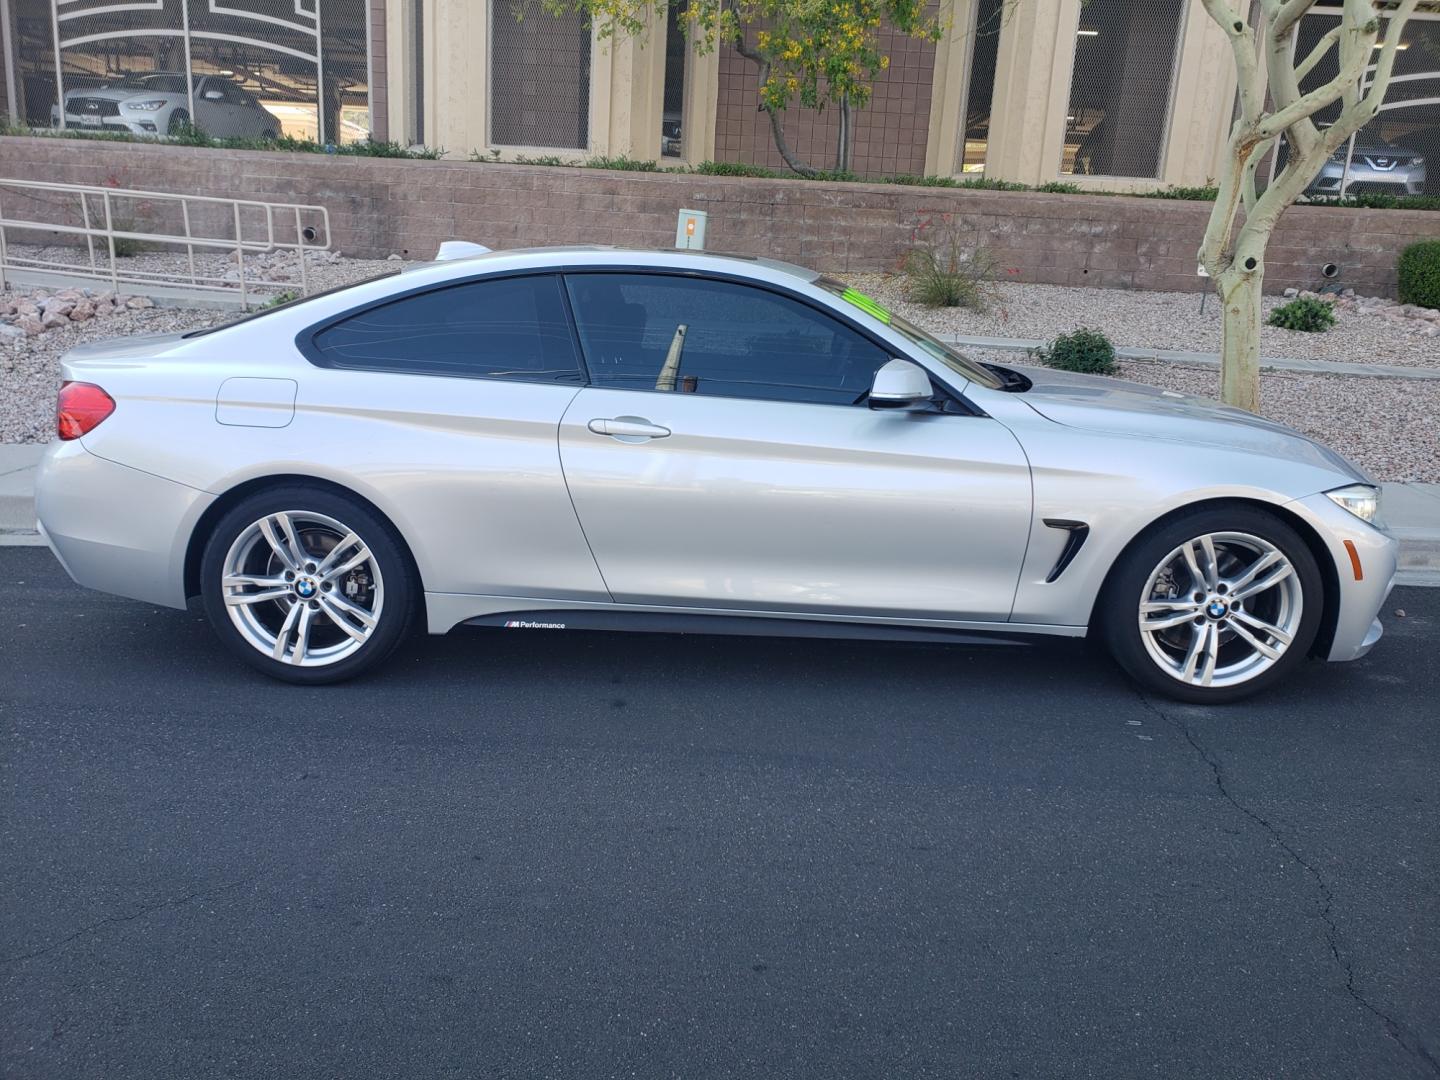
[80, 408]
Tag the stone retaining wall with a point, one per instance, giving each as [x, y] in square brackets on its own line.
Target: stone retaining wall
[378, 207]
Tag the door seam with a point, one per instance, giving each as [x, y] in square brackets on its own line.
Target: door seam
[565, 479]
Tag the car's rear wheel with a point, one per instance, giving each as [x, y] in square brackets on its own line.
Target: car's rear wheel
[308, 585]
[1214, 606]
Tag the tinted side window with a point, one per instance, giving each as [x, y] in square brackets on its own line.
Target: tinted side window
[505, 328]
[694, 335]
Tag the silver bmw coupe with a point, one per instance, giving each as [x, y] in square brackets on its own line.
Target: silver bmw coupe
[588, 438]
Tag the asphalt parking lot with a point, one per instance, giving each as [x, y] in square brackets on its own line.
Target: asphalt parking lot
[536, 854]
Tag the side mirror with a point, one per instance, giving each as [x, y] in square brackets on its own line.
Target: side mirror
[901, 385]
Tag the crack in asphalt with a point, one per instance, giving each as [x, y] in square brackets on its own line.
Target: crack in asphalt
[1403, 1036]
[109, 920]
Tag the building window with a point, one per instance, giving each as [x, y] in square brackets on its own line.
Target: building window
[984, 51]
[1120, 87]
[673, 108]
[539, 78]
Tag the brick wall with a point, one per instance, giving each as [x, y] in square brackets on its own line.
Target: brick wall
[889, 133]
[379, 206]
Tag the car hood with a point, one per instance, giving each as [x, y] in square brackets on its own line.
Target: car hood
[1114, 406]
[119, 93]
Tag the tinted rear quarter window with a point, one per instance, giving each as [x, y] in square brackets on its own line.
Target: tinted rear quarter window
[502, 328]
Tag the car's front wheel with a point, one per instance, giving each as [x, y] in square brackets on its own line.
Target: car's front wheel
[1214, 606]
[308, 585]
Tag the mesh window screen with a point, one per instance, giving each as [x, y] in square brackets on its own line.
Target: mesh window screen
[1120, 87]
[539, 78]
[1397, 153]
[671, 144]
[989, 18]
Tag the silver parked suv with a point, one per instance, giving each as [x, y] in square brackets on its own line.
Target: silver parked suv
[158, 105]
[1376, 168]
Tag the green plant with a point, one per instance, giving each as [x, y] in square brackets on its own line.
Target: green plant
[1088, 352]
[1309, 314]
[1420, 274]
[940, 272]
[551, 160]
[985, 183]
[1057, 187]
[280, 298]
[623, 163]
[1205, 193]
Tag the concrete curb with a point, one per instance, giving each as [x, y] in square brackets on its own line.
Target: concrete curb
[1411, 510]
[1212, 360]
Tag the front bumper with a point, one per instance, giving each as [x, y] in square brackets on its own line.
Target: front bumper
[119, 124]
[1357, 623]
[114, 528]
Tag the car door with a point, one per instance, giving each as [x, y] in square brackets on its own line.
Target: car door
[210, 115]
[722, 458]
[447, 400]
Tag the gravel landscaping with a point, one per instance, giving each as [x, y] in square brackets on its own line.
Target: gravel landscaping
[1159, 320]
[1387, 426]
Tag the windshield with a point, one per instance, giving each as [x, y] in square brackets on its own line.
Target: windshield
[926, 342]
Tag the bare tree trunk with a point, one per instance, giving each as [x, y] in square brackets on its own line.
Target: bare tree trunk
[1241, 293]
[777, 132]
[843, 149]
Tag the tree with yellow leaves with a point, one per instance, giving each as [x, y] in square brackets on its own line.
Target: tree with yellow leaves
[819, 52]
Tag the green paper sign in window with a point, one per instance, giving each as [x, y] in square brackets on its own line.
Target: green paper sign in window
[866, 304]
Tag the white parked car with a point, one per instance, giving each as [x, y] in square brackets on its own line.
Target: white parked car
[577, 438]
[158, 105]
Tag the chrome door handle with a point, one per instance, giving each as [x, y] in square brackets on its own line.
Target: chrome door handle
[628, 427]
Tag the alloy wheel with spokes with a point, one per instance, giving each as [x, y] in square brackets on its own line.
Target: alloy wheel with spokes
[306, 586]
[1220, 609]
[303, 587]
[1214, 607]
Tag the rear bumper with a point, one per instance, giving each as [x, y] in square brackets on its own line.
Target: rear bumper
[116, 529]
[1357, 623]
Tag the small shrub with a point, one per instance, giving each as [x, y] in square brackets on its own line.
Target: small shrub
[623, 163]
[1057, 187]
[1420, 274]
[940, 272]
[1205, 193]
[1088, 352]
[280, 298]
[985, 183]
[1309, 314]
[552, 160]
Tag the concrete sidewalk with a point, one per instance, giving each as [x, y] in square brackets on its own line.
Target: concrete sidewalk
[1412, 512]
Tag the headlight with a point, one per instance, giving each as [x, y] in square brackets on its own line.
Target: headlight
[146, 106]
[1362, 500]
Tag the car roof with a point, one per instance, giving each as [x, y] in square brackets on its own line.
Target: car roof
[578, 255]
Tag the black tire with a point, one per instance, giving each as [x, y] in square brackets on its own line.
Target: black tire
[179, 121]
[268, 135]
[390, 568]
[1118, 612]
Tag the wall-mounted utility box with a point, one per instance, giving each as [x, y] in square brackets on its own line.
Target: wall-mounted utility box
[690, 230]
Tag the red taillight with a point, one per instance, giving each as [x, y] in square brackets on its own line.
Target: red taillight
[80, 407]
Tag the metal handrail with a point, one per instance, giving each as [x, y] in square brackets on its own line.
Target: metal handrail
[268, 241]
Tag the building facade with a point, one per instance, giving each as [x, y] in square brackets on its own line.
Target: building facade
[1106, 95]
